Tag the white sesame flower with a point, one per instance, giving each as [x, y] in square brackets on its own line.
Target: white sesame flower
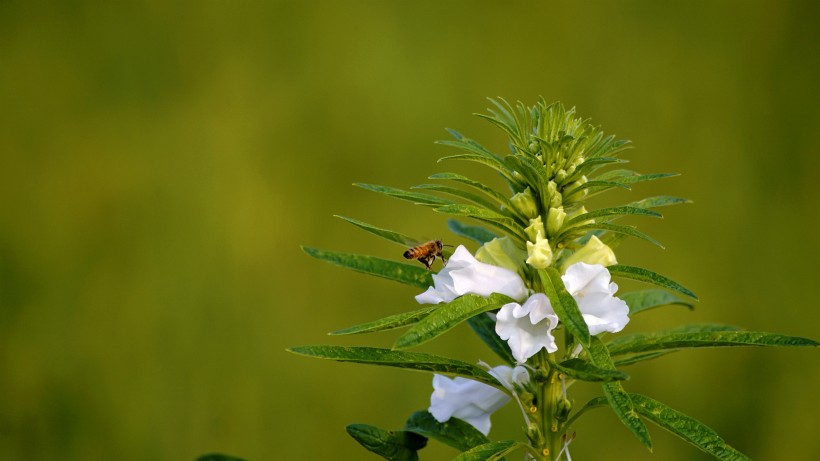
[469, 400]
[527, 328]
[466, 275]
[590, 285]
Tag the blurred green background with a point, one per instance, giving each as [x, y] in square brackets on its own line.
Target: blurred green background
[161, 163]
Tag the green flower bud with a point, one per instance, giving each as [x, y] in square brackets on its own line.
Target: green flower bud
[535, 229]
[579, 212]
[594, 252]
[564, 408]
[539, 254]
[534, 147]
[576, 196]
[560, 176]
[555, 219]
[555, 197]
[524, 202]
[502, 252]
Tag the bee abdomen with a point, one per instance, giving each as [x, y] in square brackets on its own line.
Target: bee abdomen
[410, 254]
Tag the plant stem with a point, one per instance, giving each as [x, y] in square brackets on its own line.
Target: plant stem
[549, 394]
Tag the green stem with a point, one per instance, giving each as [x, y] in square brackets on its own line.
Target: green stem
[549, 394]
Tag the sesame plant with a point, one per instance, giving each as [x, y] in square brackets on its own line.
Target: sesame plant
[536, 286]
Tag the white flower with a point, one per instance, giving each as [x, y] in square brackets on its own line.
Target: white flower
[466, 275]
[590, 285]
[469, 400]
[527, 328]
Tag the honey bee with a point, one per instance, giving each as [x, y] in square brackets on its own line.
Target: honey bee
[426, 253]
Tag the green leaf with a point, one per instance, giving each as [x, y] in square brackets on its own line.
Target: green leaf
[480, 186]
[585, 371]
[564, 304]
[597, 402]
[448, 316]
[646, 275]
[639, 358]
[456, 433]
[493, 163]
[484, 327]
[639, 301]
[476, 233]
[492, 451]
[646, 177]
[687, 428]
[388, 323]
[218, 457]
[392, 270]
[393, 446]
[399, 359]
[591, 164]
[488, 216]
[618, 398]
[603, 185]
[460, 193]
[614, 211]
[659, 201]
[401, 239]
[617, 228]
[415, 197]
[666, 341]
[467, 144]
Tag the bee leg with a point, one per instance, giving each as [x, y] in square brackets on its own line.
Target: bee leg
[428, 261]
[443, 260]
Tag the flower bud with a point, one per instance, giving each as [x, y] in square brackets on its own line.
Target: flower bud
[535, 228]
[560, 176]
[539, 254]
[594, 252]
[524, 202]
[576, 196]
[564, 408]
[502, 252]
[555, 219]
[555, 197]
[534, 147]
[579, 212]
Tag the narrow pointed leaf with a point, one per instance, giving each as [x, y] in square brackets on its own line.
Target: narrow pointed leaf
[622, 362]
[470, 145]
[499, 197]
[493, 163]
[388, 323]
[618, 398]
[492, 451]
[659, 201]
[585, 371]
[477, 199]
[456, 433]
[660, 341]
[399, 359]
[639, 301]
[646, 177]
[564, 304]
[596, 402]
[396, 237]
[415, 197]
[609, 212]
[488, 216]
[385, 268]
[448, 316]
[596, 183]
[617, 228]
[475, 233]
[646, 275]
[592, 164]
[687, 428]
[484, 328]
[390, 445]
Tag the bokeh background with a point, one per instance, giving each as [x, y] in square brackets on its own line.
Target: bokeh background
[161, 163]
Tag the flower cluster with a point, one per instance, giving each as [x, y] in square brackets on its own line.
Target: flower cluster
[526, 325]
